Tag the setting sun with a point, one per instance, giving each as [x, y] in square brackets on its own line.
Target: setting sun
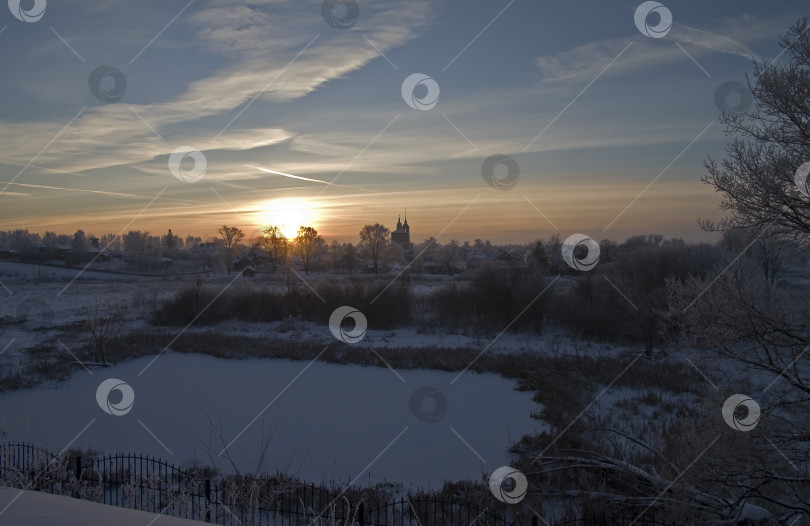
[288, 213]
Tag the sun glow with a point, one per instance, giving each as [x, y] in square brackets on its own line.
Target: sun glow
[288, 213]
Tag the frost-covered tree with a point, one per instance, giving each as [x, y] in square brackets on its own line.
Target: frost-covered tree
[308, 245]
[141, 249]
[230, 237]
[374, 239]
[756, 322]
[274, 244]
[752, 328]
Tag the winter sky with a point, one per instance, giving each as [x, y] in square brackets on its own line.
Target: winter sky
[590, 109]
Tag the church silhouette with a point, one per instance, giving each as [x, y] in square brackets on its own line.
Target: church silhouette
[402, 235]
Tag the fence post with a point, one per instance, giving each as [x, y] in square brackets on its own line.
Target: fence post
[78, 473]
[361, 512]
[208, 500]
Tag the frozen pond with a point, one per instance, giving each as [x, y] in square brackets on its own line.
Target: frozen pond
[325, 422]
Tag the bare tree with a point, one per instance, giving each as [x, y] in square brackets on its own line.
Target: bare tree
[350, 258]
[741, 312]
[449, 255]
[757, 176]
[373, 241]
[142, 249]
[102, 324]
[110, 242]
[334, 255]
[307, 245]
[23, 242]
[756, 332]
[393, 252]
[230, 236]
[275, 244]
[79, 244]
[49, 241]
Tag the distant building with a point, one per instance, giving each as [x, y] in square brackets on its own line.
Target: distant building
[252, 258]
[402, 235]
[202, 249]
[508, 259]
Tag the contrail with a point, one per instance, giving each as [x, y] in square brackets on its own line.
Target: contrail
[307, 178]
[61, 188]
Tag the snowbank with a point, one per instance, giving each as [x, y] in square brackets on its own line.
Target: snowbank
[31, 508]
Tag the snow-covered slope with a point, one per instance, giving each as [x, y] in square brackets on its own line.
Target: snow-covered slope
[30, 508]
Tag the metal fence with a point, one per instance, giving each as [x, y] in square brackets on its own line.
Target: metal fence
[153, 485]
[428, 511]
[606, 519]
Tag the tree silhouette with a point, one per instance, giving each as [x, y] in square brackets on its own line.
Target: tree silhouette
[373, 240]
[275, 244]
[307, 245]
[757, 177]
[231, 236]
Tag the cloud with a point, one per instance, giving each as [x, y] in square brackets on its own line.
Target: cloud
[63, 189]
[710, 41]
[264, 43]
[590, 58]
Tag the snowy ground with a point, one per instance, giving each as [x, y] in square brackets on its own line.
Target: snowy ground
[31, 508]
[328, 424]
[49, 304]
[12, 271]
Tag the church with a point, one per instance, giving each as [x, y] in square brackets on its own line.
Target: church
[402, 235]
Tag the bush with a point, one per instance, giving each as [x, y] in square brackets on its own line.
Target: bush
[385, 304]
[496, 298]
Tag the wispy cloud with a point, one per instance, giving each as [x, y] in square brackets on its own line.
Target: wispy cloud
[710, 40]
[259, 41]
[588, 59]
[81, 190]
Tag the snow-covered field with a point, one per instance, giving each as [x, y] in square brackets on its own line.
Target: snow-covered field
[22, 272]
[49, 304]
[326, 422]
